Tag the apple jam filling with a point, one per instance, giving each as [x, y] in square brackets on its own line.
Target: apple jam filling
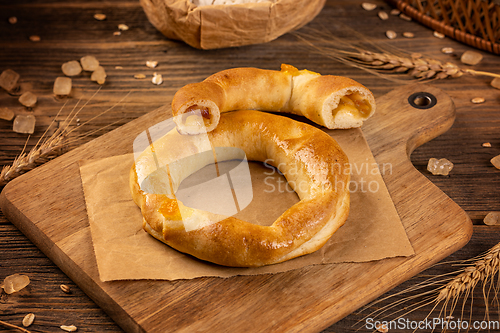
[197, 116]
[355, 104]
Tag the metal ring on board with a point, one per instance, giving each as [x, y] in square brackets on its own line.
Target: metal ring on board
[422, 100]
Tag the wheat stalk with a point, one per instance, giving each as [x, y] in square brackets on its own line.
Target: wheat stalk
[5, 324]
[416, 65]
[41, 154]
[448, 290]
[482, 271]
[49, 148]
[386, 62]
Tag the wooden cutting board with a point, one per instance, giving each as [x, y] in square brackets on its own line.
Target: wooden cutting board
[48, 206]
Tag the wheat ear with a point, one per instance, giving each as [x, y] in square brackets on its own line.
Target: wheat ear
[41, 153]
[51, 147]
[448, 290]
[384, 63]
[482, 271]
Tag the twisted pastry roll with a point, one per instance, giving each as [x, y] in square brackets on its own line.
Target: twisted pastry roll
[312, 162]
[330, 101]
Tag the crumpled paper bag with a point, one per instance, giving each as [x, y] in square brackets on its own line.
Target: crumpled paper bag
[124, 251]
[221, 26]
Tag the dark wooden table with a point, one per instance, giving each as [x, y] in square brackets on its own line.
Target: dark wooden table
[68, 31]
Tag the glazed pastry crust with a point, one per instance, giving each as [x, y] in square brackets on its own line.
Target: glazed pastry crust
[331, 101]
[305, 155]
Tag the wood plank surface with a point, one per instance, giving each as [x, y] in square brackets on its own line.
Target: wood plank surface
[68, 32]
[303, 300]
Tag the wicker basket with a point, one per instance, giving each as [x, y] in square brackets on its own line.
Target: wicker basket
[473, 22]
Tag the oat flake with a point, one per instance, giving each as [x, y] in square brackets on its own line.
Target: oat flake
[390, 34]
[157, 79]
[100, 17]
[405, 17]
[28, 319]
[495, 83]
[151, 63]
[382, 328]
[437, 34]
[70, 328]
[383, 15]
[447, 50]
[64, 287]
[368, 6]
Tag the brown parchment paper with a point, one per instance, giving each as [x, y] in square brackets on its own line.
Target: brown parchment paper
[221, 26]
[124, 251]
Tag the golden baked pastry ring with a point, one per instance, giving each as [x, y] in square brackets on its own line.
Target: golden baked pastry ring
[335, 102]
[311, 161]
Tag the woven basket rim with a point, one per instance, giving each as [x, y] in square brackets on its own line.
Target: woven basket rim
[447, 30]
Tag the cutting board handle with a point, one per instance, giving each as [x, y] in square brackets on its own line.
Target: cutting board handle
[408, 117]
